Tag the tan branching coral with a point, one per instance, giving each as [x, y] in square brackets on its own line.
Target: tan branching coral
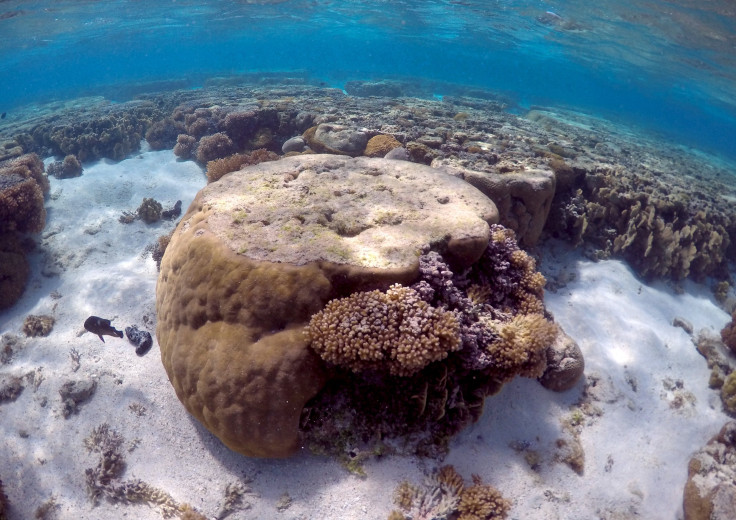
[376, 330]
[482, 502]
[521, 346]
[232, 163]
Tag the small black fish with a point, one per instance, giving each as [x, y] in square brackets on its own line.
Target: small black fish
[100, 326]
[3, 115]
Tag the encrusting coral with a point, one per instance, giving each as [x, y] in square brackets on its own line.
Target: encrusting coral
[395, 330]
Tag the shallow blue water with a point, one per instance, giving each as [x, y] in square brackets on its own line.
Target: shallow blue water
[669, 66]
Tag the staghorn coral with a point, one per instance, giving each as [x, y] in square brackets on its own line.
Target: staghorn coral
[185, 145]
[395, 330]
[482, 502]
[215, 146]
[728, 333]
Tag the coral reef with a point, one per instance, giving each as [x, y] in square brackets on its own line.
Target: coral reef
[710, 491]
[482, 502]
[69, 167]
[219, 167]
[262, 250]
[14, 270]
[394, 331]
[162, 135]
[728, 394]
[336, 139]
[503, 333]
[185, 146]
[444, 496]
[215, 146]
[728, 334]
[22, 187]
[38, 325]
[149, 211]
[380, 145]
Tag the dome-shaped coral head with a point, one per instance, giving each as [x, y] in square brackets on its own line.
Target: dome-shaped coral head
[373, 330]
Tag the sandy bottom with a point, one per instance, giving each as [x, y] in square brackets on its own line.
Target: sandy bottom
[643, 410]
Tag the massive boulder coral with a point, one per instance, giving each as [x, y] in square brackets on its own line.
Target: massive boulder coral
[710, 491]
[262, 250]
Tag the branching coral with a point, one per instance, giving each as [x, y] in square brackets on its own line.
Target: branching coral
[185, 145]
[149, 211]
[232, 163]
[163, 134]
[443, 495]
[521, 344]
[215, 146]
[14, 270]
[69, 167]
[395, 330]
[482, 502]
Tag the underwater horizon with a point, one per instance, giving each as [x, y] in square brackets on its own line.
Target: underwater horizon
[667, 67]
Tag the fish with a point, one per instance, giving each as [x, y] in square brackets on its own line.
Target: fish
[100, 326]
[3, 115]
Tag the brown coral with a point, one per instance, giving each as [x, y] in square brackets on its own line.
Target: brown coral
[21, 205]
[380, 145]
[184, 146]
[69, 167]
[522, 344]
[395, 330]
[215, 146]
[150, 210]
[232, 163]
[482, 502]
[14, 270]
[728, 334]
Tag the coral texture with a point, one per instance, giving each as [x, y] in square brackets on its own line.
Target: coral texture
[14, 270]
[728, 333]
[185, 145]
[380, 145]
[215, 146]
[395, 330]
[482, 502]
[710, 491]
[149, 211]
[35, 325]
[162, 135]
[262, 250]
[232, 163]
[22, 187]
[69, 167]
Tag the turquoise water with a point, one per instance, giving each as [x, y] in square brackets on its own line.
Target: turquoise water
[668, 66]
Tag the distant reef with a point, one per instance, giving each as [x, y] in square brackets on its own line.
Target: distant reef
[616, 193]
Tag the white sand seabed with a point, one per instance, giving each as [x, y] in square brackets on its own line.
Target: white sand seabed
[651, 387]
